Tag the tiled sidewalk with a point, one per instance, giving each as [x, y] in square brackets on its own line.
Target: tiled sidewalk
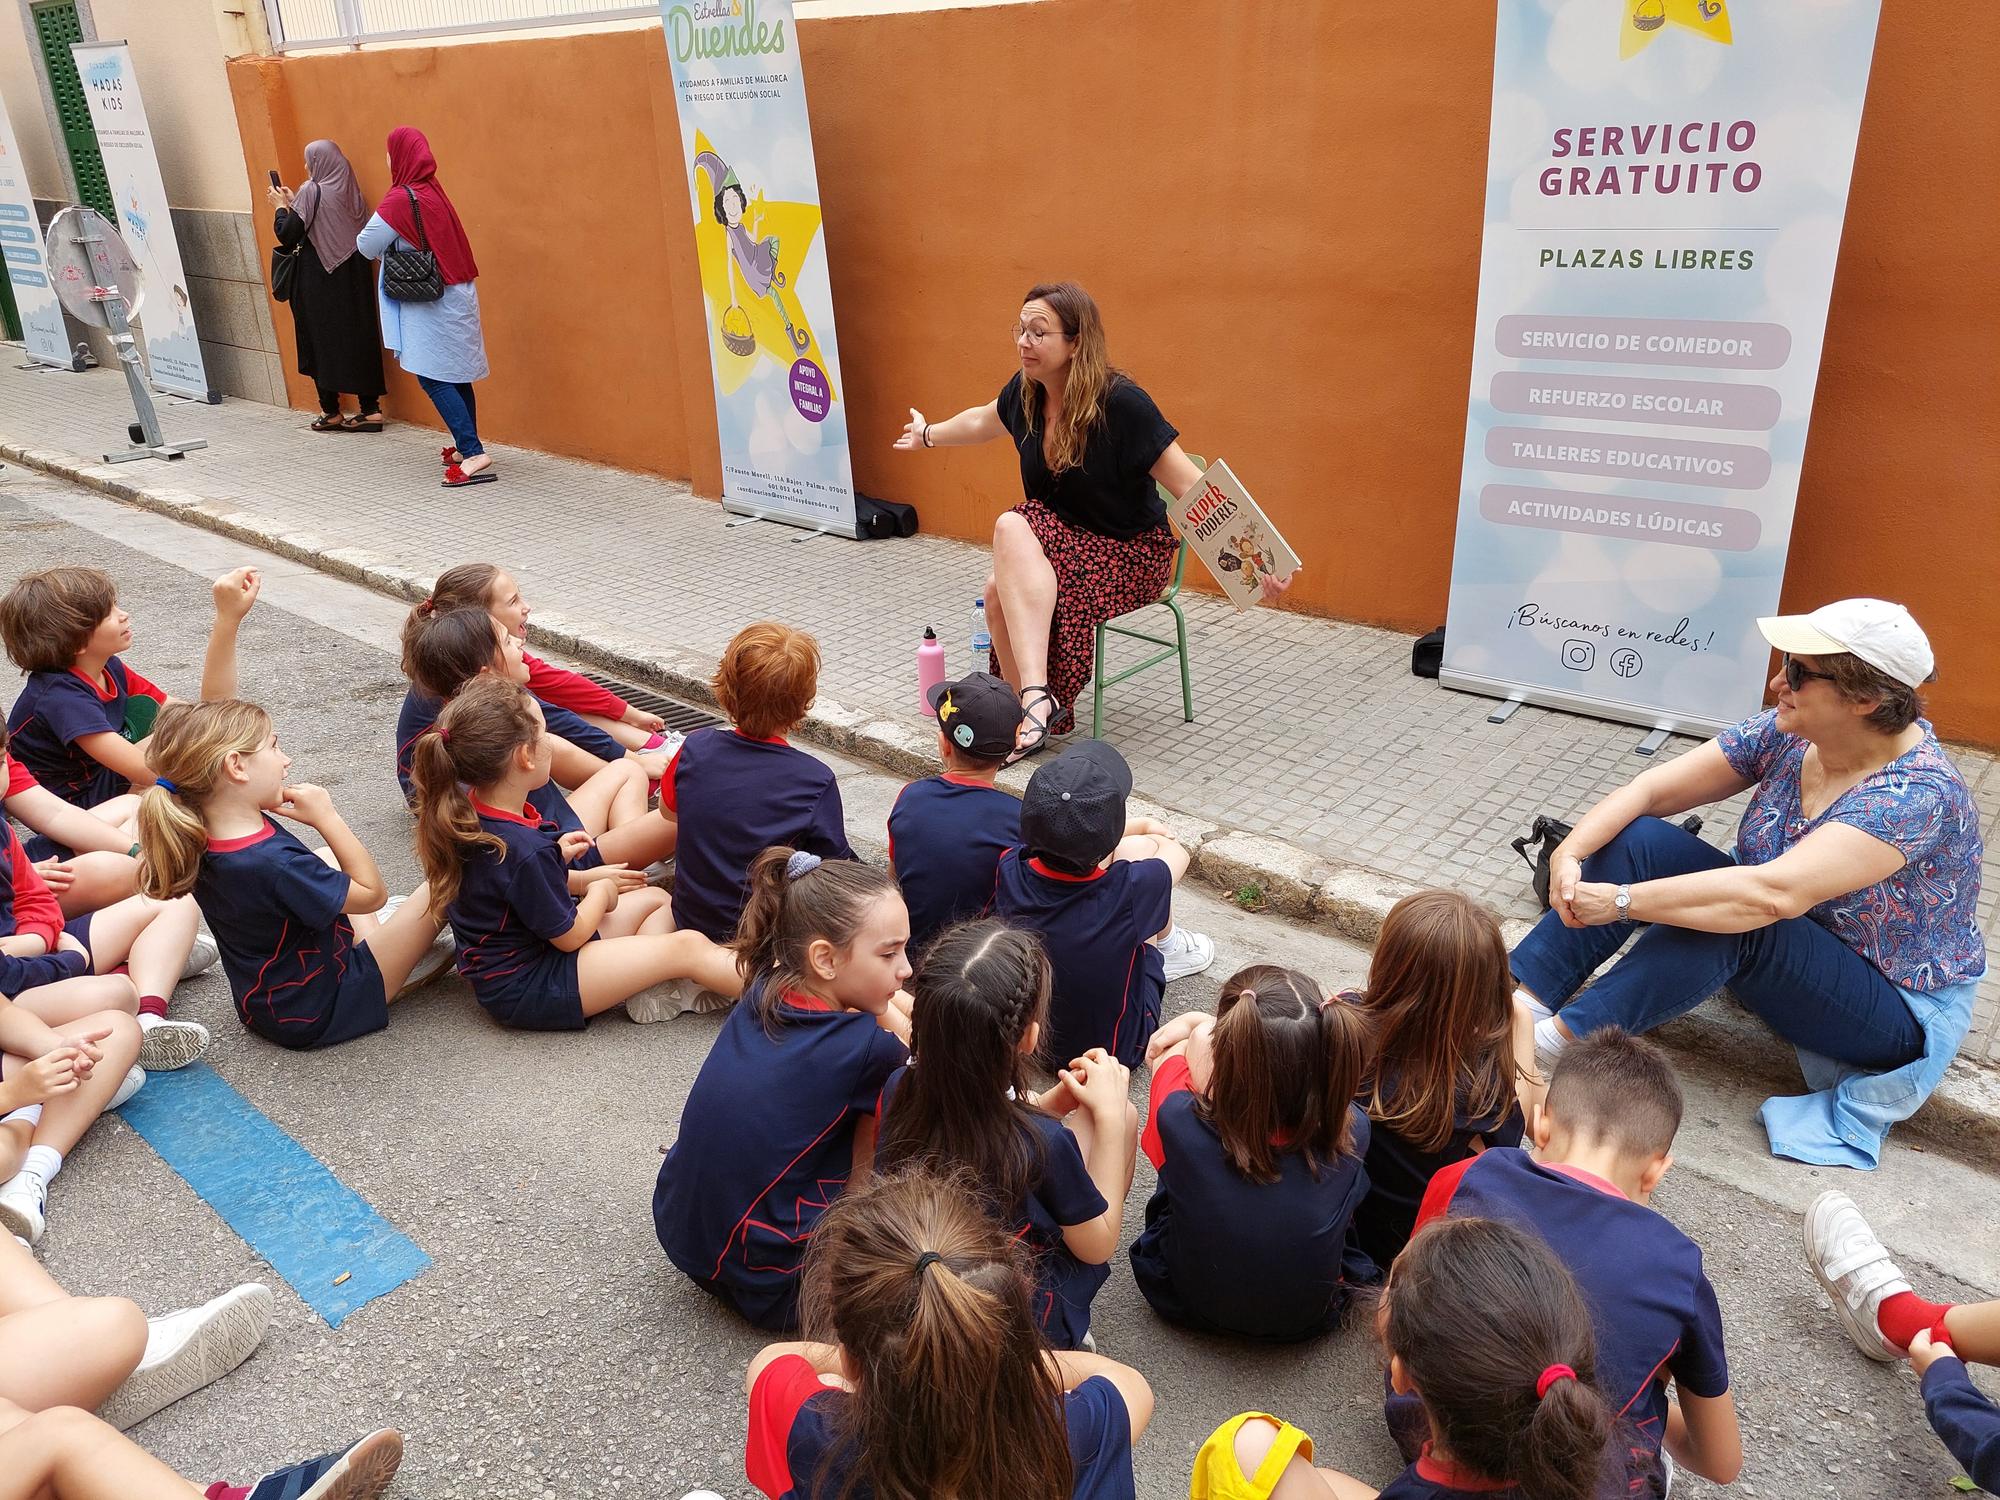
[1312, 731]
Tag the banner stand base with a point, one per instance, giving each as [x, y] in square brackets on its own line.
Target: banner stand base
[1505, 711]
[1657, 722]
[1650, 745]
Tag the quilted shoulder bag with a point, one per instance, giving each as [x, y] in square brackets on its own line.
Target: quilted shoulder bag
[413, 275]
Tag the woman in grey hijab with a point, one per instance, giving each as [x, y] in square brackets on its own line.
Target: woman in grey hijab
[333, 293]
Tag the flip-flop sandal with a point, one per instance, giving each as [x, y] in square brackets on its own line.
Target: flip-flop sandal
[1038, 739]
[455, 477]
[330, 424]
[362, 424]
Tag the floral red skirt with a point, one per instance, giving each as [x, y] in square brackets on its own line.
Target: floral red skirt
[1097, 578]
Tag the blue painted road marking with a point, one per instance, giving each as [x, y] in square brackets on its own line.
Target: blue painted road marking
[273, 1192]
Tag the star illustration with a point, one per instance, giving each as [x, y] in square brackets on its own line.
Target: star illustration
[1646, 19]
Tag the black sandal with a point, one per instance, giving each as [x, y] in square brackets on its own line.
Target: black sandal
[359, 423]
[1038, 733]
[334, 423]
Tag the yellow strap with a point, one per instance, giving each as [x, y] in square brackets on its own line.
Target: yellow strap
[1220, 1449]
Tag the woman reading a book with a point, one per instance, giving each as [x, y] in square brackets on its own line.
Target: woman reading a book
[1090, 540]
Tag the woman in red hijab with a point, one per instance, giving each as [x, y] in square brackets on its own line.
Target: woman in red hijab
[438, 342]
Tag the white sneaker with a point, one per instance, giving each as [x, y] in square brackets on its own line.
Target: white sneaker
[135, 1079]
[166, 1045]
[663, 1002]
[202, 956]
[1549, 1044]
[24, 1206]
[660, 874]
[186, 1350]
[1855, 1268]
[1186, 953]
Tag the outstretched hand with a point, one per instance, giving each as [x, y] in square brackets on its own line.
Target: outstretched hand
[913, 432]
[235, 592]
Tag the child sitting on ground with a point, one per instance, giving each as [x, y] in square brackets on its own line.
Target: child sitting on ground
[494, 590]
[1603, 1140]
[56, 1078]
[523, 915]
[1259, 1145]
[1487, 1331]
[1098, 887]
[947, 832]
[87, 859]
[307, 966]
[1887, 1320]
[928, 1379]
[1442, 1085]
[782, 1113]
[1055, 1169]
[81, 722]
[742, 789]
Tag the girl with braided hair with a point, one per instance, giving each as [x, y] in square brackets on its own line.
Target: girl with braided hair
[1053, 1168]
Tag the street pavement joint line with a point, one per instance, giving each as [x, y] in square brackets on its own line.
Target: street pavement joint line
[276, 1195]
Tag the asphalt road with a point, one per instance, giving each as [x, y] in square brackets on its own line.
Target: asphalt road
[551, 1351]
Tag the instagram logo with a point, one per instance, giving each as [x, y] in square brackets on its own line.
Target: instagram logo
[1579, 656]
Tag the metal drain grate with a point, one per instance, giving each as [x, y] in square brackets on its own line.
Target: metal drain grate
[682, 716]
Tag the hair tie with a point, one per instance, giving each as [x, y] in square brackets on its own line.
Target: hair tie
[1246, 994]
[165, 785]
[1549, 1377]
[927, 1259]
[444, 736]
[428, 604]
[802, 862]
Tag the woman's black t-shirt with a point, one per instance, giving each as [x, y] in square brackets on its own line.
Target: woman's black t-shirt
[1111, 492]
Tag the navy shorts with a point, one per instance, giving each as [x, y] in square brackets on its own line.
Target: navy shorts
[358, 1006]
[541, 995]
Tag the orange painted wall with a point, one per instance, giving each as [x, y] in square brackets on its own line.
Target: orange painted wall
[1322, 339]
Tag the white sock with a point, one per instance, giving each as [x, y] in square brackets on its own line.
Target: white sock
[1549, 1040]
[32, 1113]
[43, 1161]
[1542, 1012]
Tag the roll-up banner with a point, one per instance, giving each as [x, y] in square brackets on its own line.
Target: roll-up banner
[1666, 182]
[21, 254]
[118, 115]
[753, 196]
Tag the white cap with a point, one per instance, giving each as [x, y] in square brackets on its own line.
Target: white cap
[1880, 633]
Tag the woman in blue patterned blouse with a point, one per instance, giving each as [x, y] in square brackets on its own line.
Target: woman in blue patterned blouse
[1847, 917]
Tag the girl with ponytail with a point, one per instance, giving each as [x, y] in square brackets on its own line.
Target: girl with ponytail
[307, 963]
[927, 1378]
[1259, 1149]
[522, 899]
[1486, 1328]
[1054, 1169]
[783, 1110]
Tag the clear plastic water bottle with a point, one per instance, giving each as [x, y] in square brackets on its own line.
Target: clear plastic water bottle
[982, 639]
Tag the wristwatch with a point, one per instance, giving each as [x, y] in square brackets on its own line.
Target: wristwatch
[1623, 901]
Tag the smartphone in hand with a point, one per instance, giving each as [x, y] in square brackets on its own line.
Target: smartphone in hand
[274, 180]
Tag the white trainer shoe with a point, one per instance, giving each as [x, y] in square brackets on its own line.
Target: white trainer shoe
[24, 1206]
[660, 874]
[166, 1045]
[186, 1350]
[202, 956]
[676, 997]
[1855, 1268]
[135, 1079]
[1186, 953]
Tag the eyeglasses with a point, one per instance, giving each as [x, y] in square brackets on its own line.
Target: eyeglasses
[1797, 676]
[1034, 336]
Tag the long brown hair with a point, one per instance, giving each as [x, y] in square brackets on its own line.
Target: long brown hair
[1440, 998]
[784, 914]
[1478, 1312]
[466, 584]
[1090, 379]
[930, 1300]
[187, 746]
[448, 650]
[470, 745]
[981, 986]
[1287, 1064]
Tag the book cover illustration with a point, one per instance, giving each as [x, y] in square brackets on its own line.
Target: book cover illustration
[1232, 536]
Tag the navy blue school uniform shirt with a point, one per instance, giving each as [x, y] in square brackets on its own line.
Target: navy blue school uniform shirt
[735, 797]
[795, 1451]
[1429, 1479]
[766, 1143]
[946, 836]
[56, 709]
[1221, 1253]
[420, 711]
[511, 905]
[1655, 1312]
[298, 976]
[1062, 1194]
[1965, 1420]
[1109, 981]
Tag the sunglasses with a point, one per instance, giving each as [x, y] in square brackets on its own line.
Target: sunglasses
[1797, 676]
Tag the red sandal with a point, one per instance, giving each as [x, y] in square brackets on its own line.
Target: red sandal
[450, 455]
[454, 477]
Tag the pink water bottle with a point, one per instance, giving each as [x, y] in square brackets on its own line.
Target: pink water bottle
[930, 666]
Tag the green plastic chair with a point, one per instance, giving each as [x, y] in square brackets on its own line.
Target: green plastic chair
[1169, 647]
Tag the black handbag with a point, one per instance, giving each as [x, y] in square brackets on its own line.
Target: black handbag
[285, 271]
[1546, 833]
[412, 275]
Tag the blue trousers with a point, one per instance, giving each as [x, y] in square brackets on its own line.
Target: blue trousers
[459, 408]
[1808, 985]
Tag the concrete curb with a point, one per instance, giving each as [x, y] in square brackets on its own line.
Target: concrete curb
[1962, 1117]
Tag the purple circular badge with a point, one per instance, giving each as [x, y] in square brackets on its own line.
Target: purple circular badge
[809, 392]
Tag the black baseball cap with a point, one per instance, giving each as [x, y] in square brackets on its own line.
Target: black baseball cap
[1073, 812]
[977, 714]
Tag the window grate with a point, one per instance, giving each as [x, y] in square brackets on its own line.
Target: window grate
[56, 26]
[682, 716]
